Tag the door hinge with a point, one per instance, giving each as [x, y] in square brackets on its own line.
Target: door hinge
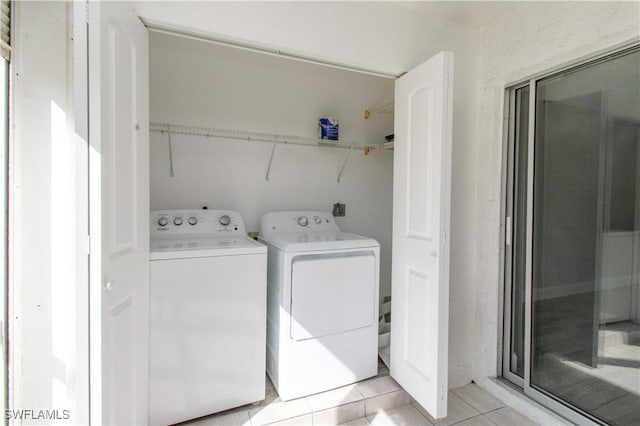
[507, 231]
[86, 12]
[442, 394]
[88, 244]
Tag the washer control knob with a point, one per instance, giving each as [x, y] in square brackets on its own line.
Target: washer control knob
[224, 220]
[303, 221]
[163, 221]
[317, 220]
[192, 220]
[177, 221]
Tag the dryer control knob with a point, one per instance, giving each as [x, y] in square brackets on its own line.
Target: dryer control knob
[192, 220]
[177, 221]
[303, 221]
[163, 221]
[224, 220]
[317, 220]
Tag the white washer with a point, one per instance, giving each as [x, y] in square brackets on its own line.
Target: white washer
[207, 315]
[322, 322]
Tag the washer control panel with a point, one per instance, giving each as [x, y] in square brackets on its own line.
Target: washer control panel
[298, 221]
[184, 222]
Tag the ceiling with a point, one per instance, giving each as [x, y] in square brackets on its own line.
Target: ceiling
[471, 13]
[385, 36]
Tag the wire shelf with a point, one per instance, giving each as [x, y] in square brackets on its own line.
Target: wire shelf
[211, 132]
[274, 139]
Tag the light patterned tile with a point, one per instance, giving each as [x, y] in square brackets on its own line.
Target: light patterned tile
[478, 398]
[377, 386]
[338, 415]
[362, 421]
[480, 420]
[509, 416]
[278, 411]
[457, 411]
[238, 418]
[305, 420]
[334, 398]
[400, 416]
[386, 401]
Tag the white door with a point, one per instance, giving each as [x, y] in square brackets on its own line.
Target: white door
[119, 203]
[421, 200]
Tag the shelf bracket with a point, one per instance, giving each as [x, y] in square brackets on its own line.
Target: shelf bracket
[273, 151]
[344, 164]
[171, 174]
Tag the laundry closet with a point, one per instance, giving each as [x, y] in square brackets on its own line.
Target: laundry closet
[235, 129]
[205, 85]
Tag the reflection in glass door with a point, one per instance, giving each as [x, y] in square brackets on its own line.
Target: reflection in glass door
[572, 264]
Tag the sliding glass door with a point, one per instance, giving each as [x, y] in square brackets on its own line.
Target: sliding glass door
[572, 263]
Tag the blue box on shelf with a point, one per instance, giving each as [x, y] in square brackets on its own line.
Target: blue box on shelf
[328, 129]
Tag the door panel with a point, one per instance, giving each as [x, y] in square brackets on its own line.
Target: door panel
[119, 197]
[121, 96]
[420, 292]
[419, 180]
[420, 286]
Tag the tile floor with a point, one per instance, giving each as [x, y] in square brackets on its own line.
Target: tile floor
[376, 401]
[611, 389]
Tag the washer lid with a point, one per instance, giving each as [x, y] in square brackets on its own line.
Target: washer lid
[181, 248]
[314, 241]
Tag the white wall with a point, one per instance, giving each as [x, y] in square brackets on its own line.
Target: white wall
[532, 38]
[203, 84]
[48, 273]
[386, 36]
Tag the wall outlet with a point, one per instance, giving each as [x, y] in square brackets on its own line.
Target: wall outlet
[339, 210]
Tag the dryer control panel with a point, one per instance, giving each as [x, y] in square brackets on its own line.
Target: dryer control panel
[206, 223]
[298, 221]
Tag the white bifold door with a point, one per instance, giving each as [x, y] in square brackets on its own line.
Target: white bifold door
[119, 203]
[421, 204]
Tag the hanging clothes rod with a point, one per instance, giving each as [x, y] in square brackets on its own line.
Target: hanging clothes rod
[253, 136]
[161, 28]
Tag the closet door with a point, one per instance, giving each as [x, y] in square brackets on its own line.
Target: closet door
[119, 198]
[421, 191]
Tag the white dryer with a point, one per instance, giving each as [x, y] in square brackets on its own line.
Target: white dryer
[322, 308]
[207, 315]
